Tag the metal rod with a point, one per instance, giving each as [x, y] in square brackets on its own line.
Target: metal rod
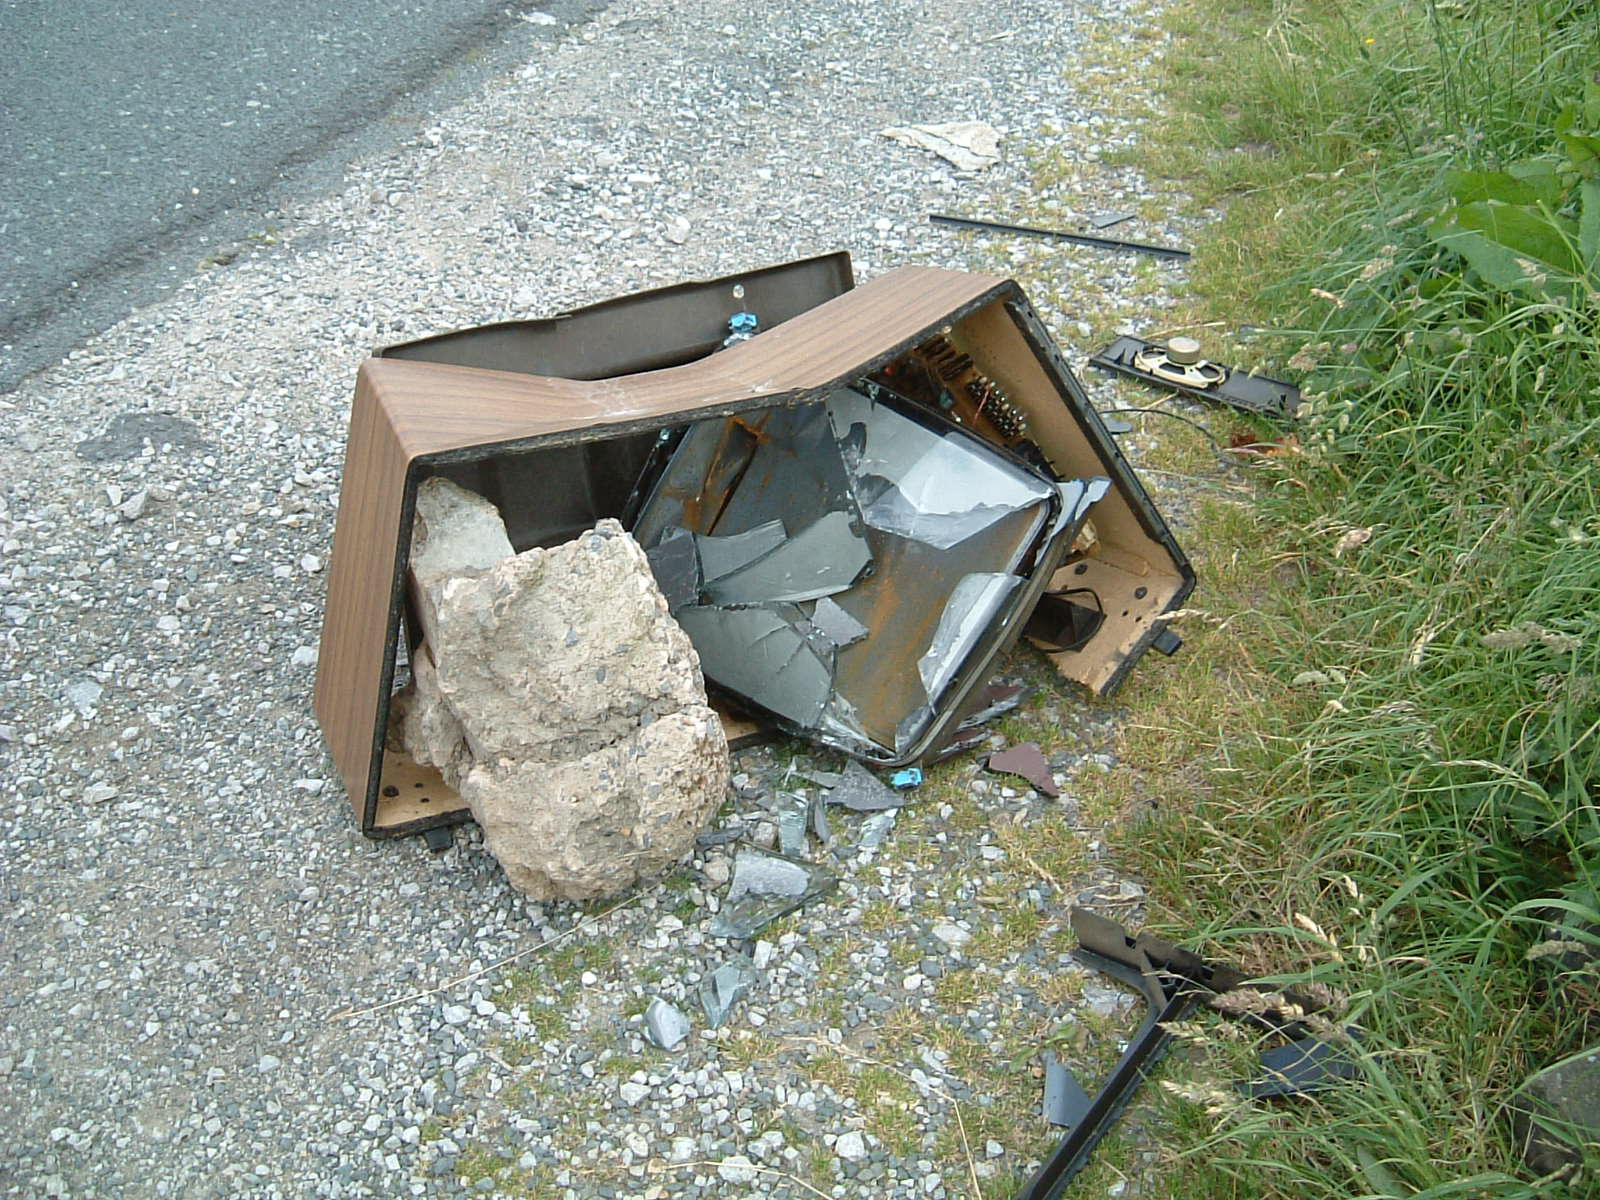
[1058, 235]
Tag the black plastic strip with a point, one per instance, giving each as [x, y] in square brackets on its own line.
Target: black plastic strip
[1059, 235]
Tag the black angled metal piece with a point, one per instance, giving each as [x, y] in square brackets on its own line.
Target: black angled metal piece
[1173, 981]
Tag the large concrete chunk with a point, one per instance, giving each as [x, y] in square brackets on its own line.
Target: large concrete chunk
[593, 826]
[455, 531]
[554, 654]
[557, 695]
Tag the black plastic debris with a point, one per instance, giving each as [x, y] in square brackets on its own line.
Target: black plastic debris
[725, 987]
[1065, 1102]
[439, 839]
[1178, 367]
[860, 790]
[764, 887]
[1058, 235]
[1300, 1067]
[1027, 761]
[665, 1025]
[1173, 981]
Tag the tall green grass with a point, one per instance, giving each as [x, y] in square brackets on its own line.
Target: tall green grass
[1408, 182]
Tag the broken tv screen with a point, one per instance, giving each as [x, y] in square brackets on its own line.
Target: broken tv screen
[838, 564]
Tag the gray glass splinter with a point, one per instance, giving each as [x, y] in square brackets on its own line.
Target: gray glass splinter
[794, 812]
[915, 482]
[876, 828]
[725, 987]
[675, 562]
[970, 609]
[819, 820]
[825, 558]
[765, 887]
[756, 653]
[859, 789]
[721, 556]
[838, 626]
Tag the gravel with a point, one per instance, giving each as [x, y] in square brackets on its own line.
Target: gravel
[212, 983]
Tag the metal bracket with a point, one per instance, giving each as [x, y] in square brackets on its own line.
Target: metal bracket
[1173, 981]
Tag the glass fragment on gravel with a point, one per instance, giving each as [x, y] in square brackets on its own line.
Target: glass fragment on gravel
[665, 1025]
[766, 886]
[860, 790]
[725, 987]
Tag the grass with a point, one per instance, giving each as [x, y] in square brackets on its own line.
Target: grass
[1372, 767]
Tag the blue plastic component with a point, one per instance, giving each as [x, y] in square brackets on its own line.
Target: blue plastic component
[906, 778]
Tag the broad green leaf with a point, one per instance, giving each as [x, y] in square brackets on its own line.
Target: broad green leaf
[1499, 266]
[1543, 176]
[1589, 229]
[1532, 234]
[1591, 102]
[1468, 186]
[1584, 151]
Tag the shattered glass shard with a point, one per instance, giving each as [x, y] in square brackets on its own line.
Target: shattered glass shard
[796, 449]
[765, 887]
[1078, 496]
[892, 511]
[754, 652]
[1065, 1101]
[994, 701]
[933, 476]
[819, 820]
[665, 1025]
[876, 828]
[826, 557]
[757, 873]
[972, 607]
[862, 791]
[675, 562]
[721, 556]
[794, 813]
[725, 987]
[833, 623]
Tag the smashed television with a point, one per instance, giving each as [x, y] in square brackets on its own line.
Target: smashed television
[853, 513]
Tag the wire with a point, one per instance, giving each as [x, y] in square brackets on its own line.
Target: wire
[1189, 421]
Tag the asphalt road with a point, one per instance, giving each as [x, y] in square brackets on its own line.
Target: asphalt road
[139, 139]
